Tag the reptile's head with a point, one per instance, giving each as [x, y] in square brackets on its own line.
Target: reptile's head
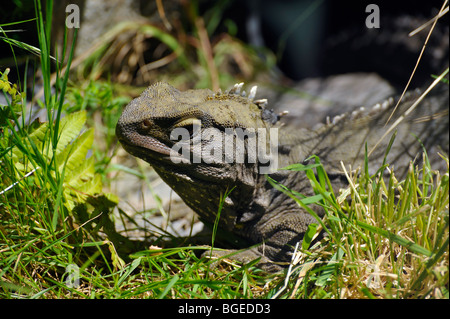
[188, 130]
[183, 135]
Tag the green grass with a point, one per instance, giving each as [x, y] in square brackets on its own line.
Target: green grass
[389, 241]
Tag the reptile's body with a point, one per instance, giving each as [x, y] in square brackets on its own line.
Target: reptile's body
[254, 210]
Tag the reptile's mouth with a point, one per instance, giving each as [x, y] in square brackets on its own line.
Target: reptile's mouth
[163, 158]
[145, 146]
[147, 142]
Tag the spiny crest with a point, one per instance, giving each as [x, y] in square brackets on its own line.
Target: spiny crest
[267, 115]
[372, 111]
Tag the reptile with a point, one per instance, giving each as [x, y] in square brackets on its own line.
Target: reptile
[254, 211]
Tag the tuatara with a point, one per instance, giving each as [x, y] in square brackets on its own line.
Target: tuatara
[254, 211]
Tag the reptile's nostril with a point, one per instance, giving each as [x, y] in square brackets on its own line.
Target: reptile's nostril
[146, 124]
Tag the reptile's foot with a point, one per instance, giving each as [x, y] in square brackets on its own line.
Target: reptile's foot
[243, 257]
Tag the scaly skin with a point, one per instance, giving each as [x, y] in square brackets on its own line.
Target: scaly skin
[254, 211]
